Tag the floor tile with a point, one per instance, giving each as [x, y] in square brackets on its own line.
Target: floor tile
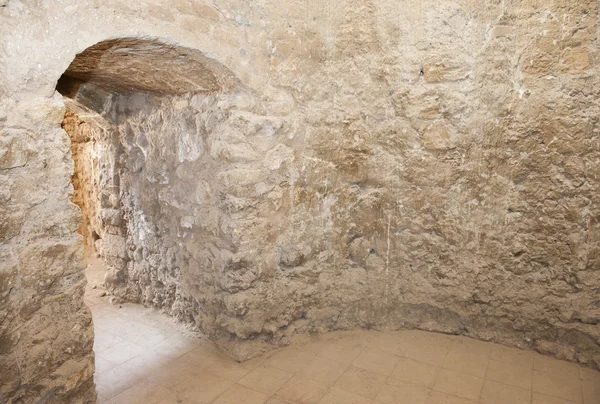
[113, 382]
[509, 373]
[204, 387]
[473, 347]
[289, 359]
[253, 363]
[498, 393]
[557, 367]
[426, 352]
[339, 396]
[121, 352]
[437, 397]
[361, 382]
[238, 394]
[176, 398]
[459, 384]
[342, 350]
[141, 393]
[568, 387]
[102, 365]
[323, 370]
[411, 371]
[401, 392]
[175, 375]
[215, 362]
[392, 343]
[277, 400]
[106, 339]
[589, 374]
[513, 356]
[432, 338]
[376, 360]
[591, 388]
[544, 399]
[176, 346]
[265, 379]
[300, 390]
[474, 365]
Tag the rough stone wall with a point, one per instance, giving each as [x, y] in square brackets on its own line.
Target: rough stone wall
[391, 164]
[86, 177]
[45, 328]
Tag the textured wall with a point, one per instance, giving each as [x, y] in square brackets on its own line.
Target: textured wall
[383, 164]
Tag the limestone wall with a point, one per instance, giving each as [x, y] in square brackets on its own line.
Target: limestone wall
[383, 164]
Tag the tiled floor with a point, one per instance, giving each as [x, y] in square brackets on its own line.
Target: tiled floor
[143, 357]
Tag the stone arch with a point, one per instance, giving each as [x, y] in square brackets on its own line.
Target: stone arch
[126, 65]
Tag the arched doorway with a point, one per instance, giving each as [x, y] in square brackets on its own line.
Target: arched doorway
[139, 113]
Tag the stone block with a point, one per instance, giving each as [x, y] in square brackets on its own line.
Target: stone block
[114, 245]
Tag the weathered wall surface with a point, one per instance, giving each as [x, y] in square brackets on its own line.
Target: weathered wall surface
[86, 178]
[387, 164]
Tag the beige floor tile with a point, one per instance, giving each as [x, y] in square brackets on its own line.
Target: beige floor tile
[277, 400]
[557, 367]
[141, 393]
[312, 343]
[434, 338]
[107, 319]
[323, 370]
[113, 382]
[144, 365]
[589, 374]
[121, 352]
[498, 393]
[591, 385]
[508, 373]
[102, 365]
[253, 363]
[474, 365]
[437, 397]
[177, 398]
[342, 350]
[265, 379]
[204, 387]
[392, 343]
[289, 359]
[401, 393]
[459, 384]
[302, 391]
[238, 394]
[361, 382]
[568, 387]
[513, 356]
[101, 399]
[175, 375]
[176, 346]
[591, 391]
[376, 360]
[339, 396]
[473, 346]
[411, 371]
[426, 352]
[105, 339]
[544, 399]
[216, 363]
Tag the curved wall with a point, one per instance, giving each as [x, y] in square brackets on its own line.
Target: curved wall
[387, 165]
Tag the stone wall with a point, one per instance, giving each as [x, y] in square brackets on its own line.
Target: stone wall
[381, 164]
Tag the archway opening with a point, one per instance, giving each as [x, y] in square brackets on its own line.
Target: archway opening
[139, 112]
